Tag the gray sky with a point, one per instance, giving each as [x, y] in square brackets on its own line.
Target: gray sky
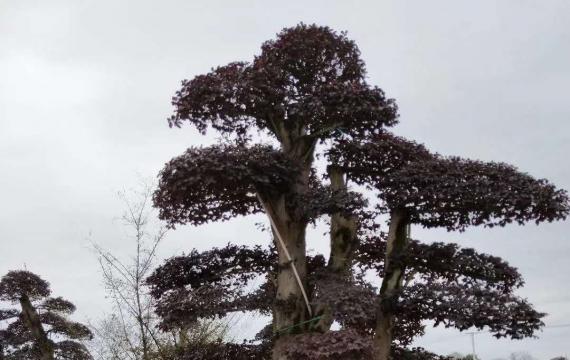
[85, 89]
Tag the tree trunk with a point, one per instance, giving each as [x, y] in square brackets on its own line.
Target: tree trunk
[290, 308]
[289, 224]
[394, 270]
[343, 242]
[32, 321]
[342, 231]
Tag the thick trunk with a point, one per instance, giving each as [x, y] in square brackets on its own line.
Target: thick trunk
[391, 284]
[291, 309]
[343, 242]
[32, 321]
[342, 231]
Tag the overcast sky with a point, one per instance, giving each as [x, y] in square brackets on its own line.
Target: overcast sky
[85, 90]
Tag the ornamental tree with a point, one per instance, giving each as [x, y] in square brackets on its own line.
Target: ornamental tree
[306, 96]
[416, 187]
[40, 328]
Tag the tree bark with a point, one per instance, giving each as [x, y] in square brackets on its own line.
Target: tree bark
[290, 308]
[32, 321]
[343, 242]
[342, 231]
[394, 268]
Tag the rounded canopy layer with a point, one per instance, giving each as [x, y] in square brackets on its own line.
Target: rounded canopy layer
[309, 81]
[19, 283]
[449, 192]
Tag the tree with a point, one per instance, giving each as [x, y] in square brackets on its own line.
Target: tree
[130, 332]
[306, 96]
[40, 328]
[434, 191]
